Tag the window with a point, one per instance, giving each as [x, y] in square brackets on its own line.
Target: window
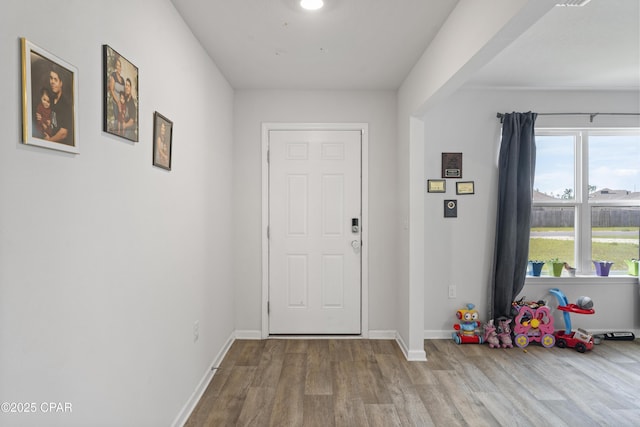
[586, 199]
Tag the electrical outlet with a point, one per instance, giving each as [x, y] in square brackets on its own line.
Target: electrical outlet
[196, 330]
[452, 291]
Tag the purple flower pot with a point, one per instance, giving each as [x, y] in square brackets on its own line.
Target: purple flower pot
[602, 267]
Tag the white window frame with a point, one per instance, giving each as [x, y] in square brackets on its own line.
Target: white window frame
[581, 203]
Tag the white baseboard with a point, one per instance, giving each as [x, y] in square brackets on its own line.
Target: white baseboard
[403, 346]
[382, 335]
[411, 355]
[188, 408]
[434, 334]
[248, 335]
[417, 356]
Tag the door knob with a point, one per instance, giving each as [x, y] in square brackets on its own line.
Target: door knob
[355, 244]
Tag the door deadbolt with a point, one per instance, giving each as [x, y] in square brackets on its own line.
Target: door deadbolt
[354, 225]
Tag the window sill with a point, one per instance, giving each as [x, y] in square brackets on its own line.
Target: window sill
[582, 280]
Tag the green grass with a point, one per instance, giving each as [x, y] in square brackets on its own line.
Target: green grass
[616, 252]
[546, 249]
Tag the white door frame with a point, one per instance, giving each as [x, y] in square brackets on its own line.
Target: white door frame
[364, 127]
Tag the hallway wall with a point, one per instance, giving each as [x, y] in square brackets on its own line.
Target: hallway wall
[377, 108]
[106, 262]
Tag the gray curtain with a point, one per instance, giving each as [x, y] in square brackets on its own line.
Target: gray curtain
[515, 186]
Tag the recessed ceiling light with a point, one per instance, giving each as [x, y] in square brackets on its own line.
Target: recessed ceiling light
[311, 4]
[576, 3]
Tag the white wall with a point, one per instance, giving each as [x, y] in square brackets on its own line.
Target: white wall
[377, 108]
[452, 57]
[106, 261]
[460, 251]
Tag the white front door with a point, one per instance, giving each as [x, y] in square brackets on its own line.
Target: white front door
[315, 232]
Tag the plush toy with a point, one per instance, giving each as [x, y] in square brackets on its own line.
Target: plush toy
[490, 335]
[504, 332]
[466, 330]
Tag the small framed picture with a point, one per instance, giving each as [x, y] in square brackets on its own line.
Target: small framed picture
[436, 186]
[162, 144]
[49, 100]
[451, 165]
[120, 95]
[465, 187]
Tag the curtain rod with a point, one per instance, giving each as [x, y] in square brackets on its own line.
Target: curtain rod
[591, 115]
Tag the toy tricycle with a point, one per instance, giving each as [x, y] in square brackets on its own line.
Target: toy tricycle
[581, 340]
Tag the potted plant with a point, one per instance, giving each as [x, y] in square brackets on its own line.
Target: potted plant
[633, 266]
[535, 267]
[602, 267]
[556, 267]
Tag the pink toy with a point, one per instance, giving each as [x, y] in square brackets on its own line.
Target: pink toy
[490, 335]
[534, 325]
[504, 332]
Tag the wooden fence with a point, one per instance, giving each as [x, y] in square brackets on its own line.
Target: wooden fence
[600, 217]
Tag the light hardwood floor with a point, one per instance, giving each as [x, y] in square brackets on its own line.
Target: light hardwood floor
[330, 382]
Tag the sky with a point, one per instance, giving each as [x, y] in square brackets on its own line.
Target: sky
[614, 163]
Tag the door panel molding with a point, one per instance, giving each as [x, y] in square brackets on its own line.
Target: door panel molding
[364, 127]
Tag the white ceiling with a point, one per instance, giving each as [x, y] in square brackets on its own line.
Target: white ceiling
[373, 44]
[349, 44]
[596, 46]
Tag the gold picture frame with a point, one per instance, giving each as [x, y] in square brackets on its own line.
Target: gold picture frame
[436, 186]
[465, 187]
[49, 100]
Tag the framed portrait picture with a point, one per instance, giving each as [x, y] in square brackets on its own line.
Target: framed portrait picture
[120, 95]
[49, 100]
[162, 144]
[436, 186]
[465, 187]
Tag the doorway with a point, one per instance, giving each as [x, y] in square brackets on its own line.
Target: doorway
[315, 229]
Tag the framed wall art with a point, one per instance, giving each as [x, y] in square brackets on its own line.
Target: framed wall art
[465, 187]
[162, 141]
[436, 186]
[120, 95]
[49, 100]
[451, 165]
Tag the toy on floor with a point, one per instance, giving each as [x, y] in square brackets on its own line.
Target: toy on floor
[504, 332]
[490, 335]
[581, 340]
[467, 330]
[515, 306]
[534, 325]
